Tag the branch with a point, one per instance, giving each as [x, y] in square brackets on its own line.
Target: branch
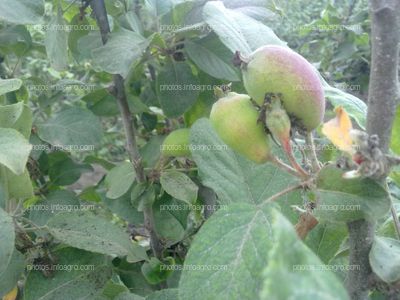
[382, 96]
[383, 84]
[289, 189]
[118, 91]
[284, 192]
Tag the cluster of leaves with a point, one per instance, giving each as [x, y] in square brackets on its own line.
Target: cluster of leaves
[170, 53]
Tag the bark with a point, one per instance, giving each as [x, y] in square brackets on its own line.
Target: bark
[118, 90]
[382, 101]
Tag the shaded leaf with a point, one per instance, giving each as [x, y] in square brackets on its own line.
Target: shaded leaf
[342, 200]
[384, 258]
[228, 255]
[119, 180]
[238, 31]
[81, 275]
[71, 128]
[291, 262]
[22, 11]
[14, 150]
[177, 88]
[9, 85]
[84, 230]
[56, 42]
[166, 294]
[179, 186]
[14, 268]
[127, 45]
[7, 237]
[215, 61]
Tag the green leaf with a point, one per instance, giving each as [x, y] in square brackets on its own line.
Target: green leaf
[22, 11]
[179, 186]
[127, 45]
[123, 208]
[17, 116]
[231, 176]
[19, 186]
[128, 296]
[395, 140]
[177, 88]
[9, 114]
[93, 159]
[119, 180]
[14, 268]
[131, 275]
[71, 129]
[56, 42]
[87, 43]
[384, 258]
[15, 39]
[325, 240]
[167, 221]
[387, 228]
[24, 122]
[354, 106]
[143, 195]
[14, 150]
[9, 85]
[151, 151]
[213, 58]
[343, 200]
[76, 34]
[156, 271]
[132, 22]
[7, 237]
[114, 287]
[228, 255]
[56, 202]
[82, 275]
[87, 231]
[101, 103]
[63, 170]
[166, 294]
[158, 7]
[286, 263]
[238, 31]
[3, 187]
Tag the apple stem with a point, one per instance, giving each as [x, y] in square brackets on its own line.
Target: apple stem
[289, 154]
[281, 165]
[312, 153]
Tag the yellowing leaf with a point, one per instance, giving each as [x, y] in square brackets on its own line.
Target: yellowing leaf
[338, 129]
[11, 295]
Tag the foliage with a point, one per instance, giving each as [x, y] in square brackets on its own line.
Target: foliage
[69, 198]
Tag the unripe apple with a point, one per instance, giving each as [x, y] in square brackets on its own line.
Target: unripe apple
[177, 143]
[279, 70]
[234, 118]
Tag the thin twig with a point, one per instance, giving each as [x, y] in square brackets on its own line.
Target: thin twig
[286, 191]
[312, 153]
[281, 165]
